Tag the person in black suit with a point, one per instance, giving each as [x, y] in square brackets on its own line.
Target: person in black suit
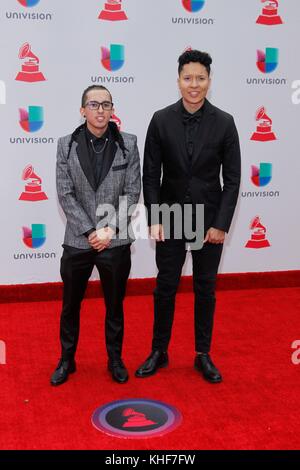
[188, 144]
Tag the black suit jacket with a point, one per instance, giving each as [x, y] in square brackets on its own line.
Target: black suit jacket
[217, 150]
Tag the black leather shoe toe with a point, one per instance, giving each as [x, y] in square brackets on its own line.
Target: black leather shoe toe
[155, 361]
[118, 370]
[204, 364]
[62, 371]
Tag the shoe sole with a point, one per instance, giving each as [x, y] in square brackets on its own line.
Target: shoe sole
[212, 381]
[55, 384]
[162, 366]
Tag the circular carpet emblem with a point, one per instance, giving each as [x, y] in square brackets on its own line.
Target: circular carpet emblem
[136, 418]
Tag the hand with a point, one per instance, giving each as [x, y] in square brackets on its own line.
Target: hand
[156, 232]
[215, 236]
[100, 239]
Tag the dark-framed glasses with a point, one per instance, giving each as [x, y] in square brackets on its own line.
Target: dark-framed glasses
[95, 105]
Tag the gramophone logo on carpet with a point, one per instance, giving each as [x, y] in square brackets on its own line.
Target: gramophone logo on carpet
[27, 14]
[193, 6]
[31, 120]
[112, 59]
[136, 418]
[35, 236]
[33, 188]
[113, 11]
[258, 237]
[269, 15]
[30, 71]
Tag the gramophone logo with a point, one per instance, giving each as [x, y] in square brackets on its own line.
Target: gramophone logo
[267, 61]
[258, 237]
[269, 15]
[29, 3]
[30, 67]
[262, 175]
[31, 120]
[2, 92]
[35, 236]
[113, 59]
[113, 11]
[136, 418]
[33, 189]
[193, 5]
[264, 127]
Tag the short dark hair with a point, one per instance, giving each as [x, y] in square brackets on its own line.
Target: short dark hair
[194, 55]
[90, 88]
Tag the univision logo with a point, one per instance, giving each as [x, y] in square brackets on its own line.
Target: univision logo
[262, 175]
[28, 15]
[267, 61]
[34, 237]
[31, 120]
[193, 5]
[29, 3]
[112, 59]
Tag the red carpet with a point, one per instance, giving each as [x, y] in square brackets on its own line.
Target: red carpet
[256, 407]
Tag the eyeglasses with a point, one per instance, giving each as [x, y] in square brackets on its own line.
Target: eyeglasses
[95, 105]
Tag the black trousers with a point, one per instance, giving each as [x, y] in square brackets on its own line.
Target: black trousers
[170, 257]
[76, 268]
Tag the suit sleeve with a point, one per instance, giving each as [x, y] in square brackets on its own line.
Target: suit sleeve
[77, 218]
[152, 170]
[130, 193]
[231, 173]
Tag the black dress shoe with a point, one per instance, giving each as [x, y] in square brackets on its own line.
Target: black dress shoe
[118, 370]
[62, 371]
[204, 364]
[156, 360]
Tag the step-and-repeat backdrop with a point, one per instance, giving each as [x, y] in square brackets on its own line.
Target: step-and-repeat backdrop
[52, 49]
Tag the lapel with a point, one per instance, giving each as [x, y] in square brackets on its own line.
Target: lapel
[109, 156]
[84, 159]
[179, 132]
[206, 127]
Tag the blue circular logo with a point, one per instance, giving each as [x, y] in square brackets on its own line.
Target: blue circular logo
[136, 418]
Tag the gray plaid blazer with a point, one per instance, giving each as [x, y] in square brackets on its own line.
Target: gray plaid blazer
[81, 200]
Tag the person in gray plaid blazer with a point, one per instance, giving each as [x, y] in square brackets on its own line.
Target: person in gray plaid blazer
[98, 180]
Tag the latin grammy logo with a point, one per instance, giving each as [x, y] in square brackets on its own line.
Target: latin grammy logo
[264, 128]
[135, 419]
[33, 190]
[258, 236]
[269, 14]
[117, 121]
[30, 68]
[113, 11]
